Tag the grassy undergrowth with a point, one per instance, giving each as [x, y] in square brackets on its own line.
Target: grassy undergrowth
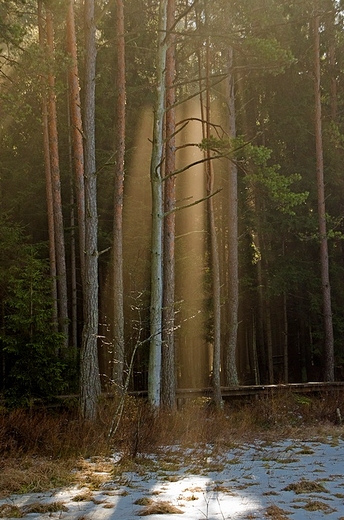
[39, 449]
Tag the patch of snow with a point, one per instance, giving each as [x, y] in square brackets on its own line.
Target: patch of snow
[241, 483]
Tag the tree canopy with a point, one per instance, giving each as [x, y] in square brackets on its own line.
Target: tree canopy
[250, 64]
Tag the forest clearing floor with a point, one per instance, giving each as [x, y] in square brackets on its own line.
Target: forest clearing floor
[278, 458]
[276, 479]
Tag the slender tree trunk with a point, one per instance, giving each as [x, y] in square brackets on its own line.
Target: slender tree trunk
[332, 63]
[285, 333]
[89, 370]
[285, 340]
[214, 255]
[260, 325]
[73, 276]
[215, 276]
[56, 190]
[154, 368]
[231, 375]
[324, 261]
[76, 130]
[264, 248]
[117, 258]
[168, 352]
[255, 353]
[269, 342]
[48, 181]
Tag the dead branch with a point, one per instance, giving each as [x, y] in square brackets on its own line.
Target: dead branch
[198, 201]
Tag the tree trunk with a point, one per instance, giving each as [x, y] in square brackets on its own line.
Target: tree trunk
[73, 275]
[117, 248]
[255, 353]
[285, 340]
[48, 181]
[269, 342]
[168, 352]
[89, 370]
[324, 261]
[285, 333]
[154, 368]
[332, 64]
[231, 375]
[216, 297]
[260, 324]
[76, 130]
[56, 191]
[214, 255]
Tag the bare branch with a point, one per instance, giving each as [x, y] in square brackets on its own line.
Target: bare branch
[182, 15]
[198, 201]
[195, 163]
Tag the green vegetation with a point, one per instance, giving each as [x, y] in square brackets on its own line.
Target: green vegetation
[29, 344]
[244, 106]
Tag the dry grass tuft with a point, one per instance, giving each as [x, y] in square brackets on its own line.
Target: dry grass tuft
[85, 496]
[33, 475]
[219, 488]
[276, 513]
[160, 508]
[306, 486]
[54, 507]
[143, 501]
[316, 505]
[11, 511]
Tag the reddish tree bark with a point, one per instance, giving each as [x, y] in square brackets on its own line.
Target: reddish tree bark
[56, 187]
[76, 130]
[48, 181]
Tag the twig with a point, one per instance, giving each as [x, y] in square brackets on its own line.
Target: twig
[193, 203]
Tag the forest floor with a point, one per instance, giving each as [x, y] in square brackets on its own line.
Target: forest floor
[280, 473]
[290, 478]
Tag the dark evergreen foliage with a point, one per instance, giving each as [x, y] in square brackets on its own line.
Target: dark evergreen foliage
[274, 153]
[29, 347]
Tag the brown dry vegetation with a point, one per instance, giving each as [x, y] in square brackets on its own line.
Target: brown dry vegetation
[38, 449]
[160, 508]
[11, 511]
[306, 486]
[276, 513]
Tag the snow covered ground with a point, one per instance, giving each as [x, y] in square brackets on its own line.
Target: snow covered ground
[278, 480]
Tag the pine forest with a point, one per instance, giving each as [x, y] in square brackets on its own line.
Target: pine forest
[172, 197]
